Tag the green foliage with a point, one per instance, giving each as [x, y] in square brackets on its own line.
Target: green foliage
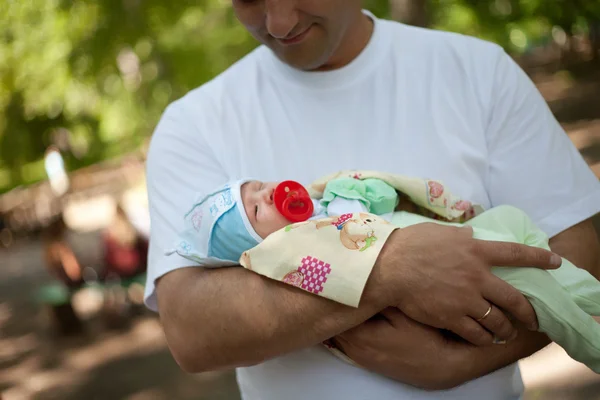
[517, 25]
[93, 77]
[379, 8]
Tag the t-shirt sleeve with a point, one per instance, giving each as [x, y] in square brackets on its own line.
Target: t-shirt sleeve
[533, 165]
[180, 165]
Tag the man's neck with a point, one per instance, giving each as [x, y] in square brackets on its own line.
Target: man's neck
[354, 42]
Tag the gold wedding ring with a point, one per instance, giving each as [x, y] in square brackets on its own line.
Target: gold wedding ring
[485, 315]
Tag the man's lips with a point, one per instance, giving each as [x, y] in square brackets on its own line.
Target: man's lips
[295, 39]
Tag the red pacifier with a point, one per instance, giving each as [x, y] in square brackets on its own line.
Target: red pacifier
[293, 201]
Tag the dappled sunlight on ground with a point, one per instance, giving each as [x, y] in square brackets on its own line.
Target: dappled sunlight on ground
[130, 364]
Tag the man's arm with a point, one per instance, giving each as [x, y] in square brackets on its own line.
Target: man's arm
[579, 244]
[231, 317]
[226, 318]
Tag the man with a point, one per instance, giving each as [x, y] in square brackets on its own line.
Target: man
[335, 88]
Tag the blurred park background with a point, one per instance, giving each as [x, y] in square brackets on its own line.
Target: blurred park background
[82, 85]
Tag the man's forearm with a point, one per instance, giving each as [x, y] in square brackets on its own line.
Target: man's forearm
[579, 244]
[225, 318]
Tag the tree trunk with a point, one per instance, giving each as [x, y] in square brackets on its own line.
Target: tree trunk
[411, 12]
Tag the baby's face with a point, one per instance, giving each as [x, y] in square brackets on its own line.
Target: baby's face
[260, 208]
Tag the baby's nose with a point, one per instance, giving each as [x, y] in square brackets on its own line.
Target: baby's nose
[268, 196]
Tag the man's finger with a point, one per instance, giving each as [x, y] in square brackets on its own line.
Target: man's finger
[394, 316]
[509, 299]
[472, 332]
[494, 320]
[340, 343]
[508, 254]
[467, 230]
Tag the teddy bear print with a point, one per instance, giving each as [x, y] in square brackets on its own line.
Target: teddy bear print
[294, 278]
[336, 221]
[435, 191]
[356, 233]
[462, 205]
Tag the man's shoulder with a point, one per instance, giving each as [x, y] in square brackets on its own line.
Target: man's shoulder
[455, 61]
[237, 78]
[438, 43]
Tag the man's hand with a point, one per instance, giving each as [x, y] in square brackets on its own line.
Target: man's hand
[393, 345]
[418, 355]
[445, 280]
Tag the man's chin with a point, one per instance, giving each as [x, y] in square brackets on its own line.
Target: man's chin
[301, 61]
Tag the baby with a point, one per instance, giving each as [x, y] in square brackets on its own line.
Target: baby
[242, 214]
[256, 216]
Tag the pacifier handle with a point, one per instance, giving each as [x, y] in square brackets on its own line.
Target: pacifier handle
[293, 201]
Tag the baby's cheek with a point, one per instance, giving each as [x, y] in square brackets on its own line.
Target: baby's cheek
[280, 222]
[272, 222]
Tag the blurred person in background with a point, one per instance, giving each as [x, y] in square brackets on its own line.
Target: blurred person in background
[61, 260]
[125, 254]
[125, 249]
[63, 265]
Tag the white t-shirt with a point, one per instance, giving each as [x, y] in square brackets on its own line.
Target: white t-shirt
[415, 102]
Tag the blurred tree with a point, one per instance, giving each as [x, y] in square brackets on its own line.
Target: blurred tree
[380, 8]
[412, 12]
[517, 25]
[94, 77]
